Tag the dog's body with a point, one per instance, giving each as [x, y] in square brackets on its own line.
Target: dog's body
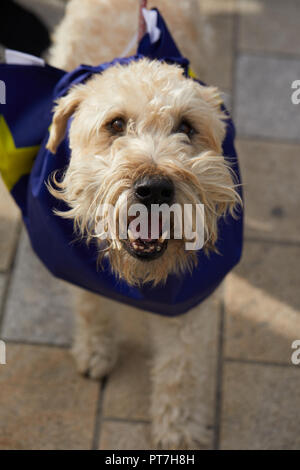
[138, 121]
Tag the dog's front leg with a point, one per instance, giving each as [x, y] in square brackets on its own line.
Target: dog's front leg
[94, 348]
[180, 374]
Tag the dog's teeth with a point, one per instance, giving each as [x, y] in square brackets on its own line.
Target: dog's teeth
[118, 245]
[163, 237]
[152, 248]
[158, 248]
[130, 234]
[135, 246]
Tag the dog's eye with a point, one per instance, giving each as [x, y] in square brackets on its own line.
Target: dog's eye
[117, 125]
[185, 128]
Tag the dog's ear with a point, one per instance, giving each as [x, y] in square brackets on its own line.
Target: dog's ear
[63, 110]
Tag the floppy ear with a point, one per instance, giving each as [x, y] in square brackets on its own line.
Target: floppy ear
[64, 108]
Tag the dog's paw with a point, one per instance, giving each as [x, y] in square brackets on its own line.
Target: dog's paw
[169, 433]
[94, 360]
[178, 441]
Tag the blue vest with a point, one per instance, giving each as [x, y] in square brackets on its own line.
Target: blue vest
[25, 165]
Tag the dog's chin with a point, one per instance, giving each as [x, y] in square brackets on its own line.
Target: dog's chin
[145, 250]
[136, 269]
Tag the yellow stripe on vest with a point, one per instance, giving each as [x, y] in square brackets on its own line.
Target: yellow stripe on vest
[14, 162]
[191, 73]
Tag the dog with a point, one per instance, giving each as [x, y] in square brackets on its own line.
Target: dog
[147, 132]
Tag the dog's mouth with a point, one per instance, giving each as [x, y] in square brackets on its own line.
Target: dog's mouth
[146, 248]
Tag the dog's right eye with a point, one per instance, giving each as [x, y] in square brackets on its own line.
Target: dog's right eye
[185, 128]
[117, 126]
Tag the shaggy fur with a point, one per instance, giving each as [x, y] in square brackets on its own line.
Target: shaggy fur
[153, 99]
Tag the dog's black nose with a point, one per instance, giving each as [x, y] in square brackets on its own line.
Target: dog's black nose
[154, 190]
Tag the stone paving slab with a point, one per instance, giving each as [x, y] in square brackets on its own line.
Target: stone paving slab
[271, 175]
[269, 26]
[39, 307]
[117, 435]
[263, 106]
[220, 28]
[9, 227]
[263, 304]
[261, 407]
[44, 403]
[127, 393]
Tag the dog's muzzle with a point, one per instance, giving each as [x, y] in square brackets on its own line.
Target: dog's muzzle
[147, 191]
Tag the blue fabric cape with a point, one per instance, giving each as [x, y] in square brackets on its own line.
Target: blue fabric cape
[25, 165]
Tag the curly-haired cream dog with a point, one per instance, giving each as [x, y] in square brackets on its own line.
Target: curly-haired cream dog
[138, 126]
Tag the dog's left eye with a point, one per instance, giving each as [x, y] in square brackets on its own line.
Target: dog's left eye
[185, 128]
[117, 125]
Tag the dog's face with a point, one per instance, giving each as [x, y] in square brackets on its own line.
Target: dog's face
[143, 133]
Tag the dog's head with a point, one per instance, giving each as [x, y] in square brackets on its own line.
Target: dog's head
[143, 134]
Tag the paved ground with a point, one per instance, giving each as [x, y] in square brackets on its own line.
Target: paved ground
[44, 404]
